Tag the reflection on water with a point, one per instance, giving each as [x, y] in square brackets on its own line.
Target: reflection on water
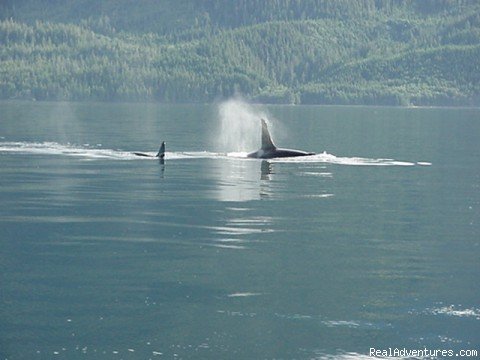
[266, 170]
[240, 229]
[242, 180]
[247, 180]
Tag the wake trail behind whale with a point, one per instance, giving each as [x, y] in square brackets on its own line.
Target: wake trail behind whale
[85, 151]
[89, 152]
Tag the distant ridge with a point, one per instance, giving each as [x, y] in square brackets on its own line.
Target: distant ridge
[416, 52]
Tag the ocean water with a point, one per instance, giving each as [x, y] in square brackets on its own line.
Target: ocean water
[372, 243]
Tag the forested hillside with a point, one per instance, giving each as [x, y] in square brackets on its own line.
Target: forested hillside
[413, 52]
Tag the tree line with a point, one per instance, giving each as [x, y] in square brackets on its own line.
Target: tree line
[388, 57]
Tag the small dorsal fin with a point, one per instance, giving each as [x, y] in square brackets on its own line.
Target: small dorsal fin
[161, 151]
[267, 143]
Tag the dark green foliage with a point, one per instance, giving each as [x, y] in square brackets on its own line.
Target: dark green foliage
[413, 52]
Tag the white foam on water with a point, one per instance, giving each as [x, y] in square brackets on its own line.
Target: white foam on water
[243, 294]
[194, 155]
[352, 161]
[453, 310]
[335, 323]
[224, 246]
[238, 230]
[86, 151]
[89, 152]
[326, 158]
[318, 196]
[233, 241]
[53, 148]
[318, 174]
[238, 154]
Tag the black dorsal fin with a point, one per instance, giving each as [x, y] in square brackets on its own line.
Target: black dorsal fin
[267, 143]
[161, 151]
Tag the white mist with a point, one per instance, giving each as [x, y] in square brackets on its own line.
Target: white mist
[239, 126]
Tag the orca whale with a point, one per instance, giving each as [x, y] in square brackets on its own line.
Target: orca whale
[270, 151]
[160, 154]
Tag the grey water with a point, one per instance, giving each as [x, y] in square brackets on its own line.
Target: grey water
[373, 243]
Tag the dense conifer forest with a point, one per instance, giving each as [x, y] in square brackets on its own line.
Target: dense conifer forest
[382, 52]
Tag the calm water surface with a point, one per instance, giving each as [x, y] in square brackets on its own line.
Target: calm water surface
[374, 243]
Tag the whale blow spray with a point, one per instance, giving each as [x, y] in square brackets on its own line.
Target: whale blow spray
[239, 128]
